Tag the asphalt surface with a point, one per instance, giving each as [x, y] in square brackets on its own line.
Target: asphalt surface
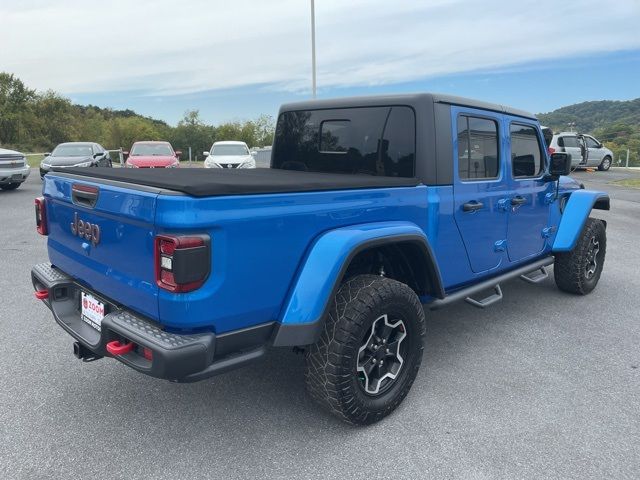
[542, 385]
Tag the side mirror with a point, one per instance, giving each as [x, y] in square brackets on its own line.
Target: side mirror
[206, 154]
[560, 164]
[178, 153]
[96, 155]
[253, 154]
[47, 154]
[126, 154]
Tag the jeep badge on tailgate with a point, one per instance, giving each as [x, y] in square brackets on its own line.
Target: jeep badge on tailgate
[90, 231]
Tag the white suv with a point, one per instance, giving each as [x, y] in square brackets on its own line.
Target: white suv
[229, 155]
[585, 150]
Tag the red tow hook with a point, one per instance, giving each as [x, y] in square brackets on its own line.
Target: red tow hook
[117, 348]
[41, 294]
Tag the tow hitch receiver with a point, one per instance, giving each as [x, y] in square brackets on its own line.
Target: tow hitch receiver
[84, 354]
[116, 348]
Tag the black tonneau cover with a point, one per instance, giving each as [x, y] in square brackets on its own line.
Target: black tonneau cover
[203, 182]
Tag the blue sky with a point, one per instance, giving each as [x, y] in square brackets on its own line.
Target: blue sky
[235, 60]
[537, 87]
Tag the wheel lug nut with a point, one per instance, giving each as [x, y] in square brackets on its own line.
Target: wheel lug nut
[381, 362]
[388, 351]
[373, 361]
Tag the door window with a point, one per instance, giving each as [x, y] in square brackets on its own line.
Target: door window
[526, 152]
[591, 143]
[477, 148]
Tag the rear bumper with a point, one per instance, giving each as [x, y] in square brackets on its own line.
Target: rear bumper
[14, 175]
[175, 357]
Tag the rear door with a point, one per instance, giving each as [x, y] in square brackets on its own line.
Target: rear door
[571, 145]
[480, 187]
[102, 235]
[528, 203]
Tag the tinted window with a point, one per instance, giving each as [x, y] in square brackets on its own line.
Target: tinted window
[568, 142]
[526, 154]
[367, 140]
[334, 136]
[477, 148]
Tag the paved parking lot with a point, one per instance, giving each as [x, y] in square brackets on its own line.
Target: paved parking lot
[544, 384]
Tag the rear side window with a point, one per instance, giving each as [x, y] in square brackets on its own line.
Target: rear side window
[568, 142]
[367, 140]
[526, 154]
[478, 157]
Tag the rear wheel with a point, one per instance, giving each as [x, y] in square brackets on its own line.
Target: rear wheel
[605, 165]
[10, 186]
[579, 270]
[370, 350]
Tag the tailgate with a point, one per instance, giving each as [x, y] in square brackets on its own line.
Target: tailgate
[102, 235]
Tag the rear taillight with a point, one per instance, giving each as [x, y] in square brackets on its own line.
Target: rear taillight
[182, 262]
[41, 216]
[551, 150]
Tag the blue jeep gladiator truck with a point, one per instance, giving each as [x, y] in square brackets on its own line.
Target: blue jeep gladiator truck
[374, 209]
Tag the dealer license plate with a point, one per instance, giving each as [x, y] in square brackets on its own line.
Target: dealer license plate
[92, 310]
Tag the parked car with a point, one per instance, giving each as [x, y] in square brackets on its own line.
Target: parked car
[585, 150]
[152, 155]
[75, 154]
[229, 155]
[362, 220]
[13, 169]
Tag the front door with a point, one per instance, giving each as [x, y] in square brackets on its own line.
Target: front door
[596, 153]
[528, 202]
[480, 187]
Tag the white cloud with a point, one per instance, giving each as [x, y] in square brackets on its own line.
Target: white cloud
[162, 47]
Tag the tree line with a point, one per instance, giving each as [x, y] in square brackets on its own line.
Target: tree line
[31, 121]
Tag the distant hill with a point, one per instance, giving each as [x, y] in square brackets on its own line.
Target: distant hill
[589, 116]
[616, 123]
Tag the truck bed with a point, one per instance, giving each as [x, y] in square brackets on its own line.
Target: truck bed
[201, 182]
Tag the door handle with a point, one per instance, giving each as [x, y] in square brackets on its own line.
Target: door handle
[472, 206]
[518, 200]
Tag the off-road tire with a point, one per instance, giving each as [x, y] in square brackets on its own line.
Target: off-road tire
[10, 186]
[331, 363]
[570, 268]
[605, 164]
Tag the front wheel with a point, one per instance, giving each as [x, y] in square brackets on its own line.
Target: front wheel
[605, 165]
[370, 350]
[579, 270]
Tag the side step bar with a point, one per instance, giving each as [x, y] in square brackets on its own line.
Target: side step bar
[494, 283]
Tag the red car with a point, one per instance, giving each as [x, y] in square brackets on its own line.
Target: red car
[152, 155]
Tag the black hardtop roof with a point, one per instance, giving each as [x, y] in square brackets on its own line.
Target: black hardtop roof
[404, 99]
